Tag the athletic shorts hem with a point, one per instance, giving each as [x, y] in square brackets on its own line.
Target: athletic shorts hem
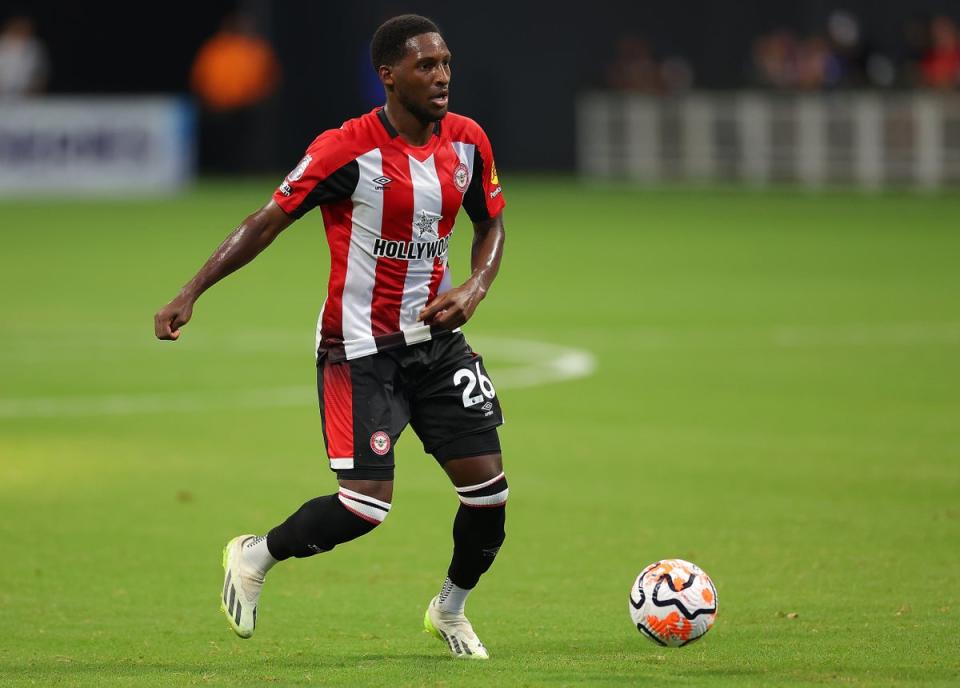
[473, 443]
[380, 473]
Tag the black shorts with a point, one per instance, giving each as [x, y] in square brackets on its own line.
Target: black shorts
[439, 387]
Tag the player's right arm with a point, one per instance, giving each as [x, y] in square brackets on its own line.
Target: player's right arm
[242, 245]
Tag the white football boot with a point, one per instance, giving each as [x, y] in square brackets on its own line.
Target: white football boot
[241, 588]
[455, 631]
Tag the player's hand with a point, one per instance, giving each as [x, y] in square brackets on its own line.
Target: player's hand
[169, 319]
[452, 309]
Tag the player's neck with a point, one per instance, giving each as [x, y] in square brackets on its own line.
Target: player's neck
[408, 126]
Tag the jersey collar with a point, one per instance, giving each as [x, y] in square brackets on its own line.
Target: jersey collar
[382, 116]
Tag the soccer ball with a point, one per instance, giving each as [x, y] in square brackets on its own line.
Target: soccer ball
[673, 602]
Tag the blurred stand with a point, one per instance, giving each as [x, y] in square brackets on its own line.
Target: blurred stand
[24, 65]
[841, 57]
[761, 86]
[862, 138]
[234, 75]
[827, 107]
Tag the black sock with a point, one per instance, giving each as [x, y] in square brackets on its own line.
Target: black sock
[477, 536]
[318, 526]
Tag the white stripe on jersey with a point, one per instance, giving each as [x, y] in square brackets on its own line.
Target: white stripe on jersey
[465, 151]
[319, 335]
[427, 198]
[361, 263]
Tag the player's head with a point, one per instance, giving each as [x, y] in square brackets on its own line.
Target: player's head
[413, 63]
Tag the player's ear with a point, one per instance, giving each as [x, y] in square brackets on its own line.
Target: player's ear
[386, 75]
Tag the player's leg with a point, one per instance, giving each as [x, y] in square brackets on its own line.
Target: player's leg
[478, 533]
[456, 413]
[354, 402]
[317, 526]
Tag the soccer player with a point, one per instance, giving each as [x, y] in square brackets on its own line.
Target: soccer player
[389, 348]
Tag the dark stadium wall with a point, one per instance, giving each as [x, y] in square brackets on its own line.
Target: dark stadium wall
[517, 66]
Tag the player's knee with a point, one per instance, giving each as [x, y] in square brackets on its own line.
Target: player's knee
[370, 509]
[482, 515]
[490, 493]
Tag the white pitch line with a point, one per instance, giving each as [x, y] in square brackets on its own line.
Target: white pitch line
[540, 363]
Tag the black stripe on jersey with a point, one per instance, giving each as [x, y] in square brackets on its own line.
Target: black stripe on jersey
[473, 201]
[492, 489]
[336, 187]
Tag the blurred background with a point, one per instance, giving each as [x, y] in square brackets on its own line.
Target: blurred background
[811, 92]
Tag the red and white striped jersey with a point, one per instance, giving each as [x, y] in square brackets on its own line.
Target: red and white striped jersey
[389, 210]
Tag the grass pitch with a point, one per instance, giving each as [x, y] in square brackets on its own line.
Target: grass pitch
[776, 399]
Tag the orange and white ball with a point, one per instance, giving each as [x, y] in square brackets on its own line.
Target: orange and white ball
[673, 602]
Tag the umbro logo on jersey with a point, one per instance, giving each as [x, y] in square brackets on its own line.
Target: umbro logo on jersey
[380, 182]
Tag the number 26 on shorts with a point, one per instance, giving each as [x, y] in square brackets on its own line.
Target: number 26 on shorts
[474, 379]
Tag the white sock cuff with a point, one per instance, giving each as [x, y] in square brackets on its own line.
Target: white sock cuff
[490, 493]
[367, 508]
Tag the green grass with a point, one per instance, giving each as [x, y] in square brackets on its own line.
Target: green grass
[776, 399]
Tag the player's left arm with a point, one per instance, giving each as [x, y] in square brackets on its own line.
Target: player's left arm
[456, 306]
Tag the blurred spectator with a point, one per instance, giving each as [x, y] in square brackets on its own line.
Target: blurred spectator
[23, 59]
[634, 68]
[814, 62]
[916, 44]
[775, 60]
[848, 52]
[676, 75]
[838, 58]
[940, 67]
[234, 74]
[235, 68]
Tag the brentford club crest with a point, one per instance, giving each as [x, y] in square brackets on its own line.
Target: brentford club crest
[460, 177]
[380, 442]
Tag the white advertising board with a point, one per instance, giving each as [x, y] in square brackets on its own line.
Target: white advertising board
[97, 145]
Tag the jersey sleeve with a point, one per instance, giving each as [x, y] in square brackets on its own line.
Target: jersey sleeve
[483, 199]
[312, 182]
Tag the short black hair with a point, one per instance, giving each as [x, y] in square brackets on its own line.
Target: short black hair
[389, 43]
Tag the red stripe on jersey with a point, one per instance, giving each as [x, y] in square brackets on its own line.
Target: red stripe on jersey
[338, 221]
[397, 225]
[338, 409]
